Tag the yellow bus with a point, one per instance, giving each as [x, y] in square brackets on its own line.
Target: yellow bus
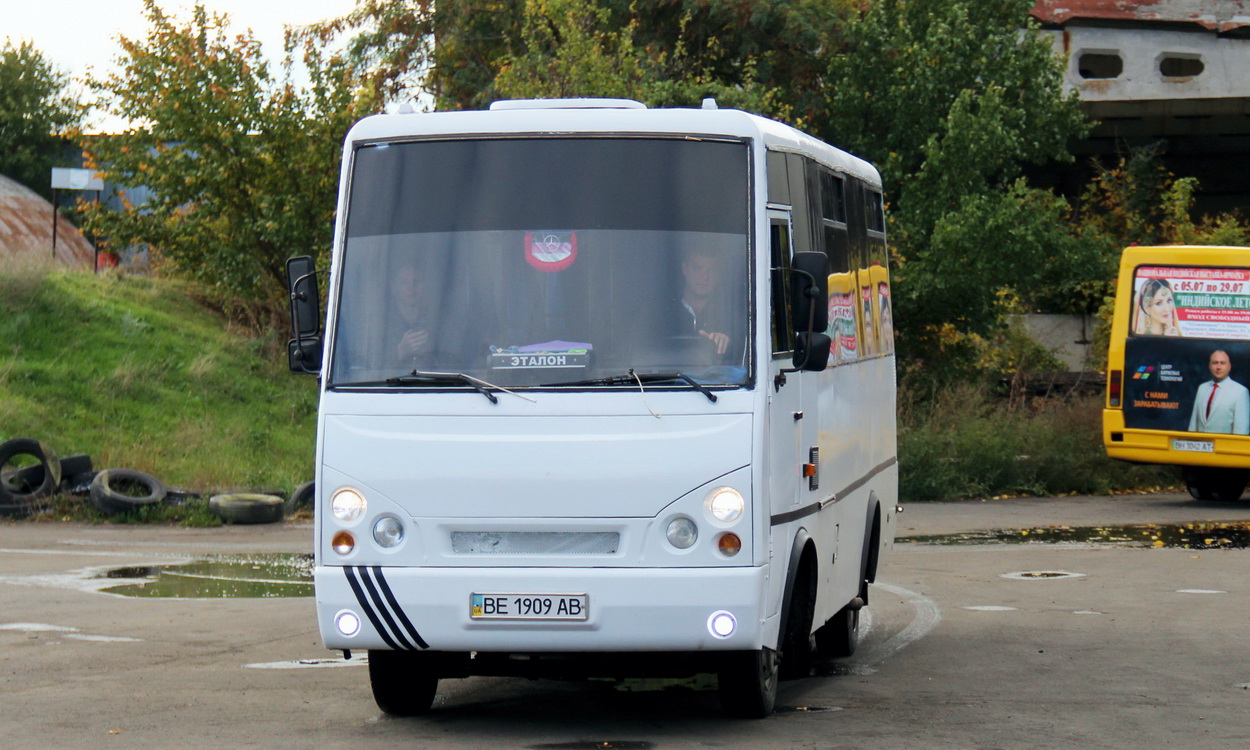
[1180, 344]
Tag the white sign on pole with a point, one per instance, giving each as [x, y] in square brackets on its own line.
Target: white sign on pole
[75, 179]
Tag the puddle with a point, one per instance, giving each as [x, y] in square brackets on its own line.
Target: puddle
[806, 709]
[596, 745]
[1184, 536]
[219, 577]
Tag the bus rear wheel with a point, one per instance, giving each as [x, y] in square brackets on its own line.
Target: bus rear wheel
[1219, 484]
[403, 682]
[748, 683]
[840, 635]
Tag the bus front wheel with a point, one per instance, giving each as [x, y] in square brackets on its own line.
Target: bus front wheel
[403, 682]
[748, 683]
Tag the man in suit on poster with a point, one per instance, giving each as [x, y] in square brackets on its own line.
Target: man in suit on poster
[1221, 404]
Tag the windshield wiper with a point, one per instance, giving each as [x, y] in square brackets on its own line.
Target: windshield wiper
[639, 378]
[419, 377]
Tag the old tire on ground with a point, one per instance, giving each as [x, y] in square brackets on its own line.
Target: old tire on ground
[122, 490]
[748, 683]
[42, 478]
[181, 495]
[19, 488]
[403, 682]
[246, 507]
[302, 497]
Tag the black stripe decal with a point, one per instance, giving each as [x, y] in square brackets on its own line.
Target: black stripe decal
[382, 610]
[399, 612]
[364, 604]
[865, 478]
[794, 515]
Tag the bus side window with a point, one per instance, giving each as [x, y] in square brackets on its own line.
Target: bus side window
[833, 221]
[779, 241]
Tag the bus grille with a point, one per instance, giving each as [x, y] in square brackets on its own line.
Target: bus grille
[535, 542]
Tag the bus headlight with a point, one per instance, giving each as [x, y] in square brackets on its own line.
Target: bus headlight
[725, 504]
[388, 532]
[348, 505]
[682, 533]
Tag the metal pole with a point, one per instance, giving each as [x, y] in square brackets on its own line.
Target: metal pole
[54, 223]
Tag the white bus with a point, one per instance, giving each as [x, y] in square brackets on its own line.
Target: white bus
[606, 391]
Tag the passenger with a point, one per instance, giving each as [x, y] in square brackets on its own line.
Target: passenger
[408, 326]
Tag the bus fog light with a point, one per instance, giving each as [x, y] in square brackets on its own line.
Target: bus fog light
[725, 504]
[729, 544]
[348, 505]
[682, 533]
[388, 532]
[343, 542]
[347, 623]
[722, 624]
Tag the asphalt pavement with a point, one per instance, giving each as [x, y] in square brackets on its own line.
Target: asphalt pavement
[1122, 641]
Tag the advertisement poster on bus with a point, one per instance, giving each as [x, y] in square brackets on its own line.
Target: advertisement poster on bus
[842, 330]
[1188, 350]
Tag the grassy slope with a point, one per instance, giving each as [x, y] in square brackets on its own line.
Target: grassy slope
[136, 373]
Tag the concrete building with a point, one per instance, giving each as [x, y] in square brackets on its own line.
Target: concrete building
[1176, 71]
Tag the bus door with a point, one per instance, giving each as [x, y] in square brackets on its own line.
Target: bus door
[791, 423]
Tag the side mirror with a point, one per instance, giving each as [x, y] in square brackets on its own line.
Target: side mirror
[809, 284]
[811, 351]
[303, 356]
[304, 349]
[301, 282]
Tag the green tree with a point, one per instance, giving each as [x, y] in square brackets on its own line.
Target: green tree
[571, 51]
[35, 110]
[240, 165]
[686, 49]
[951, 98]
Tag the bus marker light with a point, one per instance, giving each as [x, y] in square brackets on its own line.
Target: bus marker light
[1114, 387]
[343, 542]
[388, 532]
[682, 533]
[722, 624]
[729, 544]
[347, 623]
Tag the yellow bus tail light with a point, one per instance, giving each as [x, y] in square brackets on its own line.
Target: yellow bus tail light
[1115, 383]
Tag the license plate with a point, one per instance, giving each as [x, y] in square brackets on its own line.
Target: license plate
[1194, 446]
[529, 606]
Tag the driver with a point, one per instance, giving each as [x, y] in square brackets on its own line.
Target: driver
[702, 306]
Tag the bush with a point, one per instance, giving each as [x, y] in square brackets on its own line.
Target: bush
[966, 443]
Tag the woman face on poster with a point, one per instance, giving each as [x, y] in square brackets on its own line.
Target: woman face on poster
[1156, 310]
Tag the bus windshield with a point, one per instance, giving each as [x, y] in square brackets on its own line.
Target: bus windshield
[546, 261]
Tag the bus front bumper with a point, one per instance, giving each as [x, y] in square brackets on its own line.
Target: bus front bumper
[626, 609]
